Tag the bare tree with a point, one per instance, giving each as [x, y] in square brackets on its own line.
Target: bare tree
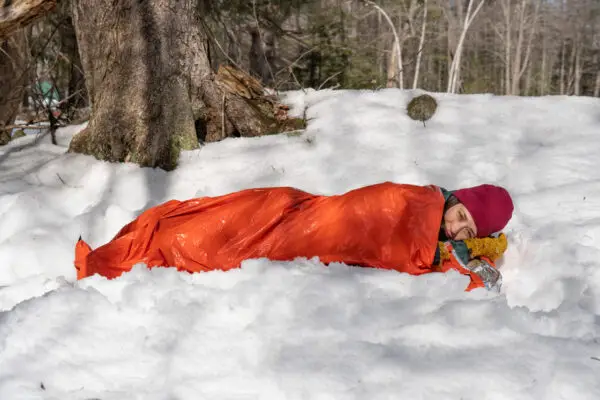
[395, 69]
[455, 66]
[13, 61]
[597, 85]
[14, 58]
[421, 46]
[523, 18]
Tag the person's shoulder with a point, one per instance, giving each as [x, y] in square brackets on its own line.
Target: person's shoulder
[390, 186]
[417, 190]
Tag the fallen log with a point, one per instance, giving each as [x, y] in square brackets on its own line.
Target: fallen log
[15, 14]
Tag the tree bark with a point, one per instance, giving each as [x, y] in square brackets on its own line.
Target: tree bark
[571, 73]
[527, 91]
[597, 85]
[15, 14]
[150, 84]
[392, 69]
[139, 62]
[562, 67]
[516, 68]
[13, 75]
[258, 56]
[578, 71]
[507, 44]
[543, 67]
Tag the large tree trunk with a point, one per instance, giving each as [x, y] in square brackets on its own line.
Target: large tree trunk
[150, 83]
[13, 74]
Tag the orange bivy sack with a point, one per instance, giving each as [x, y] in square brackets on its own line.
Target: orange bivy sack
[387, 225]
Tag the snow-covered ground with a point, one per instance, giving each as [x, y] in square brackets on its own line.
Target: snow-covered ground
[299, 330]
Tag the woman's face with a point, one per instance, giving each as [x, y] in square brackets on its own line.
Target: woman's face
[459, 223]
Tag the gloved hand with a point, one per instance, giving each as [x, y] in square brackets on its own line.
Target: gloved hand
[469, 249]
[490, 247]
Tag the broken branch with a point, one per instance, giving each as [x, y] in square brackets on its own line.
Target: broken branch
[16, 14]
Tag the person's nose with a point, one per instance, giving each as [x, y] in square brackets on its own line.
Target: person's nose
[456, 227]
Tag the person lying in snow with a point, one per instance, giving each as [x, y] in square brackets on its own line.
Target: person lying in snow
[407, 228]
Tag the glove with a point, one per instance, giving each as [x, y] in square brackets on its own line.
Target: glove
[490, 247]
[444, 254]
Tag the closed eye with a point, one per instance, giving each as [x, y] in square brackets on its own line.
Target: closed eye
[470, 233]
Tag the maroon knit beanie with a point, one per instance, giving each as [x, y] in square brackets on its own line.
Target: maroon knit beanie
[490, 206]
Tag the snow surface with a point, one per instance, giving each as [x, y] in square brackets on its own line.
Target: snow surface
[300, 330]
